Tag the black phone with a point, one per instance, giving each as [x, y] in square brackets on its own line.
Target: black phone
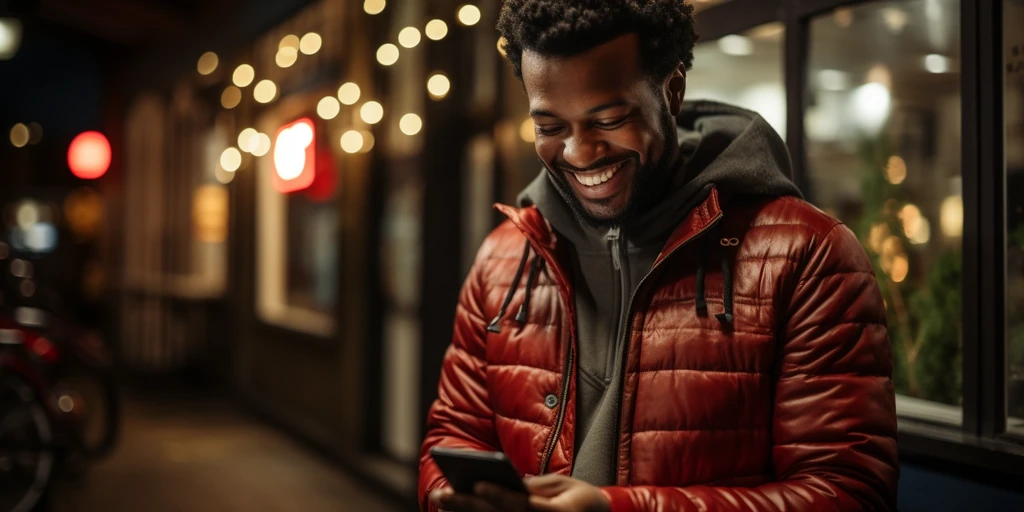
[464, 468]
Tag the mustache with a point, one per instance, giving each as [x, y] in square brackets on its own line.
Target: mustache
[604, 162]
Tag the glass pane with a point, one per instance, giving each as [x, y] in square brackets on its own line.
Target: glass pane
[312, 272]
[1013, 112]
[883, 152]
[743, 69]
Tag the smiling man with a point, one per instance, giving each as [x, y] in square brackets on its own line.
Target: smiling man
[662, 323]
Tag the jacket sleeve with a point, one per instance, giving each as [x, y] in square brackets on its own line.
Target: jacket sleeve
[461, 417]
[834, 422]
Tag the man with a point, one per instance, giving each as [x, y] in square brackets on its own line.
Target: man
[663, 324]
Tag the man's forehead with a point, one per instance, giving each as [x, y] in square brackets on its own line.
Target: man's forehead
[609, 68]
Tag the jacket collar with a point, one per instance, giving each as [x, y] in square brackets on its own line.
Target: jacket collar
[540, 234]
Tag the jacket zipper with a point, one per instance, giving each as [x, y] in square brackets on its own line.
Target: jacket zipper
[627, 328]
[550, 448]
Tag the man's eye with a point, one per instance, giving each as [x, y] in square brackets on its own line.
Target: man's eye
[548, 130]
[610, 124]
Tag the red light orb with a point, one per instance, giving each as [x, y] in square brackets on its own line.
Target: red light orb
[89, 155]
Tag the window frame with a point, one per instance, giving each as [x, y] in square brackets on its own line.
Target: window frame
[981, 442]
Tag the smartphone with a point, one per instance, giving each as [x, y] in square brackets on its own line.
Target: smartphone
[464, 468]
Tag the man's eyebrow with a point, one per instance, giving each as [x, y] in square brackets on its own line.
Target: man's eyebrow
[605, 106]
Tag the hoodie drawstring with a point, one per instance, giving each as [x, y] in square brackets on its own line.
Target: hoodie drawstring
[538, 262]
[725, 317]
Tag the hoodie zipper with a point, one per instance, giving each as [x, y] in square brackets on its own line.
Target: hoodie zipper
[624, 341]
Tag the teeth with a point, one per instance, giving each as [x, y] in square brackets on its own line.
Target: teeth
[596, 179]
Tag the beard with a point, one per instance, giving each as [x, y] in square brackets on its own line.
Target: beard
[650, 182]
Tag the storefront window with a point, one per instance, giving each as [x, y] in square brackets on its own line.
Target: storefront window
[1013, 113]
[883, 154]
[743, 69]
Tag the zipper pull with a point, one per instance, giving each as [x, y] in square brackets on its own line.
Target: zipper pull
[613, 237]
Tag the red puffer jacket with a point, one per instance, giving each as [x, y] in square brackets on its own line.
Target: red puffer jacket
[786, 405]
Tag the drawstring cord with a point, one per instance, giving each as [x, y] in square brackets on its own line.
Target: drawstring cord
[726, 317]
[524, 310]
[495, 325]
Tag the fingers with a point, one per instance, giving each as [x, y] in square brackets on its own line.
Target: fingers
[447, 500]
[501, 498]
[547, 485]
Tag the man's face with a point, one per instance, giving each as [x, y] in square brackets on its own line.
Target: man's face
[604, 131]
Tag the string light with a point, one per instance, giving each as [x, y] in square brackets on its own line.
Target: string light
[243, 75]
[265, 91]
[286, 57]
[436, 30]
[19, 135]
[262, 144]
[245, 139]
[371, 112]
[351, 141]
[348, 93]
[469, 15]
[35, 133]
[438, 86]
[328, 108]
[310, 43]
[410, 124]
[231, 159]
[374, 6]
[409, 37]
[387, 54]
[231, 97]
[289, 41]
[207, 63]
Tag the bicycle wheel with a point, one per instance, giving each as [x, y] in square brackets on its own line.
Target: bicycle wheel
[26, 446]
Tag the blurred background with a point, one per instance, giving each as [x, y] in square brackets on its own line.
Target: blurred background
[233, 233]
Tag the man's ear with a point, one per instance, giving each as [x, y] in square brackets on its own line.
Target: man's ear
[675, 89]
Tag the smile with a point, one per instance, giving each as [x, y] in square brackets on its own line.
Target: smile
[598, 178]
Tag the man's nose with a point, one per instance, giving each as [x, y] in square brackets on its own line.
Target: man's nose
[581, 151]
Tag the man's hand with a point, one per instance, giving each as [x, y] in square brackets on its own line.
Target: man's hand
[548, 493]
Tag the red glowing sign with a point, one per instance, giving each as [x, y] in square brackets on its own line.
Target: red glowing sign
[295, 156]
[89, 155]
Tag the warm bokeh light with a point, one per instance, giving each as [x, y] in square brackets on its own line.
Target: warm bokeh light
[371, 112]
[436, 30]
[527, 131]
[843, 16]
[368, 141]
[286, 57]
[245, 139]
[243, 75]
[207, 63]
[310, 43]
[295, 156]
[374, 6]
[10, 37]
[469, 15]
[262, 145]
[387, 54]
[328, 108]
[289, 41]
[896, 170]
[409, 37]
[231, 159]
[231, 97]
[951, 216]
[35, 133]
[89, 155]
[265, 91]
[410, 124]
[19, 135]
[915, 226]
[348, 93]
[438, 86]
[352, 141]
[900, 268]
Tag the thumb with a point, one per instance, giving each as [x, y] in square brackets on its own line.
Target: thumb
[546, 485]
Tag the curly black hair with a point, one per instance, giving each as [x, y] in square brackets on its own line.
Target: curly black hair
[570, 27]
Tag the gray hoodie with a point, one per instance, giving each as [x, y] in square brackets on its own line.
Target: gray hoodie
[723, 146]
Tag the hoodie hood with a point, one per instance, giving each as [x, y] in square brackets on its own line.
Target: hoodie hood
[728, 147]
